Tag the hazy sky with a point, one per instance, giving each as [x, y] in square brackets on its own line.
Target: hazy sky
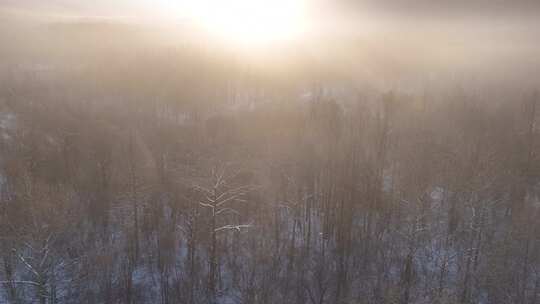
[413, 34]
[110, 8]
[401, 7]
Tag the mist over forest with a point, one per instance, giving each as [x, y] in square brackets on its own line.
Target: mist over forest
[388, 154]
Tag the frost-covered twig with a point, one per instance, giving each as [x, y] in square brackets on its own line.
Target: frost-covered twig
[27, 264]
[229, 227]
[20, 282]
[227, 210]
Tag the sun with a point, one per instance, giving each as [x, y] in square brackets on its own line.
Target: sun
[248, 22]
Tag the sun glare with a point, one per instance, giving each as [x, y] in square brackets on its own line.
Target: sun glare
[248, 22]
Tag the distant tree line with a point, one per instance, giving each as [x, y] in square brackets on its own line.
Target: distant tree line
[382, 198]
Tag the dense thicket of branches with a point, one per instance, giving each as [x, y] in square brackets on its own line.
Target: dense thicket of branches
[145, 195]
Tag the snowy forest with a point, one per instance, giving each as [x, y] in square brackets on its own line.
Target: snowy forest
[136, 171]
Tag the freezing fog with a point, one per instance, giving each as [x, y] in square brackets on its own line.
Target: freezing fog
[254, 151]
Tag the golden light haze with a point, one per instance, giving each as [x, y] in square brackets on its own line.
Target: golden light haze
[376, 42]
[248, 22]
